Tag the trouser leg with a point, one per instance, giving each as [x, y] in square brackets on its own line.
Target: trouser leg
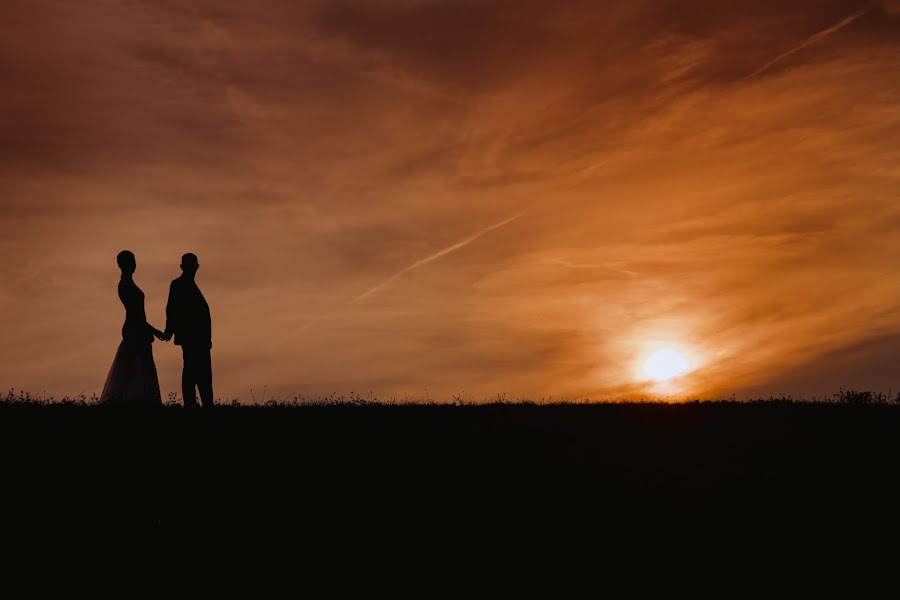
[204, 377]
[188, 378]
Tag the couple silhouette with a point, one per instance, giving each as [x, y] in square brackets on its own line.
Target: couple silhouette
[132, 379]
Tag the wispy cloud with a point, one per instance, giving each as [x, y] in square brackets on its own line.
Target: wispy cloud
[816, 38]
[433, 257]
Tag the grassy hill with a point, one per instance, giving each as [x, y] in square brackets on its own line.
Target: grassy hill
[439, 470]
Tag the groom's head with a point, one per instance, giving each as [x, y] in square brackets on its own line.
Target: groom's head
[189, 263]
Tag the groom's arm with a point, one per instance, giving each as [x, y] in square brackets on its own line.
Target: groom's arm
[171, 308]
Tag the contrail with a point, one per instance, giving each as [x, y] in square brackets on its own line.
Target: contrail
[424, 261]
[815, 39]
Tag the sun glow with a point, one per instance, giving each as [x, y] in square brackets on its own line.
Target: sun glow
[665, 364]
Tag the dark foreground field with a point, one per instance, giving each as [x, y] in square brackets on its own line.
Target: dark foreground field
[467, 474]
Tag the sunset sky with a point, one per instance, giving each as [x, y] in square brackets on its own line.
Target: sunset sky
[468, 197]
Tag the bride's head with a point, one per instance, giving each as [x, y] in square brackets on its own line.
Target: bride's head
[127, 262]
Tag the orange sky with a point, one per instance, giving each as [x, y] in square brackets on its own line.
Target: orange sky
[466, 196]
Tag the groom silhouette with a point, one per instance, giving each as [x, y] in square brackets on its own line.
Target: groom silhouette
[187, 317]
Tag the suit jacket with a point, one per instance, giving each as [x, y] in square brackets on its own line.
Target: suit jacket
[187, 314]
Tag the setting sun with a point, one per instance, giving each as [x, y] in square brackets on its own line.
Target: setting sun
[665, 364]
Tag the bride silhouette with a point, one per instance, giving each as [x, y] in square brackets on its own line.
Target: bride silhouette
[132, 378]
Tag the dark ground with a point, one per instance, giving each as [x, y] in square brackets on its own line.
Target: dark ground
[478, 475]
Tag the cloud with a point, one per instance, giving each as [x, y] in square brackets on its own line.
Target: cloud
[433, 257]
[316, 153]
[817, 37]
[892, 7]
